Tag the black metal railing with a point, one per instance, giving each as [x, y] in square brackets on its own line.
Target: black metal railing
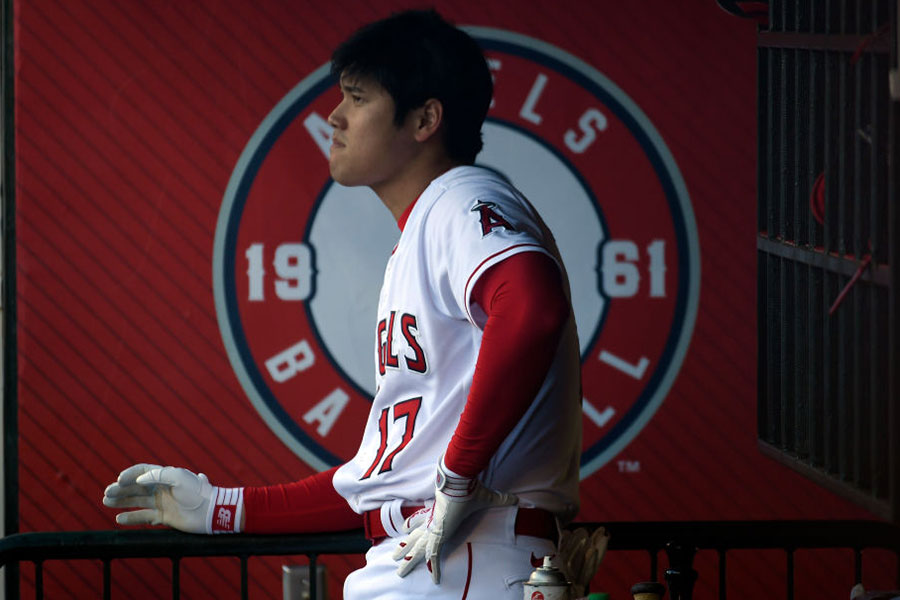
[678, 540]
[108, 546]
[828, 294]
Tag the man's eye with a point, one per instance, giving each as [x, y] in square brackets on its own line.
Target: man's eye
[357, 99]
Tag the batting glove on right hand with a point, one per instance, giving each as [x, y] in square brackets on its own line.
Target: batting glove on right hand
[456, 498]
[175, 497]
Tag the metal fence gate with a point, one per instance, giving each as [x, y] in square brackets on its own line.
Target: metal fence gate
[828, 245]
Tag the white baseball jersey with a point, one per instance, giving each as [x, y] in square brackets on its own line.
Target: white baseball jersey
[427, 341]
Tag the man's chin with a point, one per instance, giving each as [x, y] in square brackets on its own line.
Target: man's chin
[345, 179]
[336, 175]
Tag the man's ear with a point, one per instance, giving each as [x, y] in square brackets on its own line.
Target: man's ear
[429, 117]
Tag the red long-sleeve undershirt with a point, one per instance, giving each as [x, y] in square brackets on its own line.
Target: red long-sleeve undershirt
[311, 504]
[526, 313]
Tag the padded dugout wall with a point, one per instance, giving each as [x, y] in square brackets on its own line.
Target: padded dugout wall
[132, 119]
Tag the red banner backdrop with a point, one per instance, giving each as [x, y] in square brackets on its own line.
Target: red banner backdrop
[192, 290]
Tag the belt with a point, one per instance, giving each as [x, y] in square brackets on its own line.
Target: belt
[534, 522]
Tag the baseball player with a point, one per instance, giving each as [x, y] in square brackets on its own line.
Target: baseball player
[468, 465]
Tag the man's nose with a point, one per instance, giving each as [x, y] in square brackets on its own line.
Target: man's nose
[336, 119]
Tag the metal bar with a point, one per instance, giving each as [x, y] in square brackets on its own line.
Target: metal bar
[800, 179]
[787, 354]
[831, 22]
[843, 389]
[802, 351]
[776, 161]
[783, 90]
[794, 402]
[815, 127]
[786, 168]
[38, 579]
[176, 577]
[800, 17]
[166, 543]
[841, 220]
[723, 575]
[843, 16]
[894, 74]
[107, 579]
[800, 118]
[245, 584]
[790, 573]
[811, 127]
[817, 41]
[878, 163]
[859, 399]
[878, 274]
[814, 238]
[854, 236]
[815, 319]
[829, 375]
[881, 158]
[864, 17]
[654, 564]
[857, 565]
[828, 148]
[868, 386]
[816, 22]
[873, 139]
[879, 371]
[773, 350]
[625, 535]
[793, 135]
[763, 361]
[766, 215]
[762, 131]
[861, 136]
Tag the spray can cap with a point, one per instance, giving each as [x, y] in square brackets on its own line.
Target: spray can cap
[547, 575]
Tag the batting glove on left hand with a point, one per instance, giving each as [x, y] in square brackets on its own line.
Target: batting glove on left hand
[455, 499]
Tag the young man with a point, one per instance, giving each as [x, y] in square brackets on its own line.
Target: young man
[469, 460]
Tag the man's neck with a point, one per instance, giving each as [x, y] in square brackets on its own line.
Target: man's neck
[400, 192]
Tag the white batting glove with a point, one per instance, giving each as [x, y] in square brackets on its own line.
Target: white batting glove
[174, 497]
[581, 555]
[455, 499]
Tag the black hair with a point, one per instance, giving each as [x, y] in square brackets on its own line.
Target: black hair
[416, 55]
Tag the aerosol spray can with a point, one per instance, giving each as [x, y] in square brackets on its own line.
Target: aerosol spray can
[547, 583]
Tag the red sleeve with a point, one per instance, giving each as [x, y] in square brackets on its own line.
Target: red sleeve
[305, 506]
[527, 311]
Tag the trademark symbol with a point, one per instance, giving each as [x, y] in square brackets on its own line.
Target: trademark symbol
[629, 466]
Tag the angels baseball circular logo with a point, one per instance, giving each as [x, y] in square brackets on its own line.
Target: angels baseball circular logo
[298, 259]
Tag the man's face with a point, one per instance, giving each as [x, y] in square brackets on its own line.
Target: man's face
[367, 148]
